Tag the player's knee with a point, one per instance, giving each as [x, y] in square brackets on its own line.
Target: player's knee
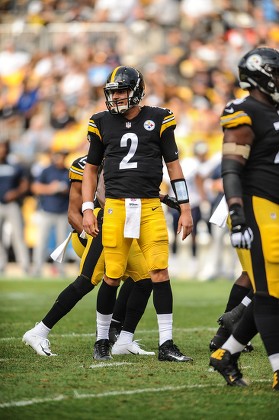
[111, 281]
[145, 285]
[244, 280]
[115, 272]
[82, 286]
[158, 276]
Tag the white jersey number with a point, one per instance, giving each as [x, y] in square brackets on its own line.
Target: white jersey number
[125, 164]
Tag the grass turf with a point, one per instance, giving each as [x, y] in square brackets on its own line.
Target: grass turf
[73, 386]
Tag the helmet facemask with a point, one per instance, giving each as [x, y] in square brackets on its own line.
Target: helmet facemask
[113, 105]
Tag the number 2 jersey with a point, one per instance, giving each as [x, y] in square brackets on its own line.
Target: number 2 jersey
[132, 150]
[260, 175]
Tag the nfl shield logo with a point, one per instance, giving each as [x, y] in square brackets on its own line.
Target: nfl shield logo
[128, 125]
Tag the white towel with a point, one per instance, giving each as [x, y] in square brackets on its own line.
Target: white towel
[83, 235]
[220, 215]
[133, 216]
[58, 253]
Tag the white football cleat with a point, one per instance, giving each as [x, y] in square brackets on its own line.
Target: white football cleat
[39, 344]
[131, 348]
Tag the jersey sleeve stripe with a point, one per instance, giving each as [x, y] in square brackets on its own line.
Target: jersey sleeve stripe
[235, 119]
[75, 174]
[92, 128]
[168, 122]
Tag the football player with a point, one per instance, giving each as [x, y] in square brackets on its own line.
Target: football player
[133, 140]
[250, 172]
[91, 272]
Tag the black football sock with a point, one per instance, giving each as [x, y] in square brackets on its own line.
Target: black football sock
[119, 310]
[246, 328]
[136, 304]
[162, 297]
[106, 298]
[267, 321]
[236, 295]
[67, 299]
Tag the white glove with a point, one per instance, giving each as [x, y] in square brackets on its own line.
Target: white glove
[243, 238]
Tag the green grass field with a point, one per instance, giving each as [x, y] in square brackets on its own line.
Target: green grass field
[73, 386]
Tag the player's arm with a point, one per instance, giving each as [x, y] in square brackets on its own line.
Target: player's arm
[100, 193]
[178, 182]
[74, 208]
[236, 149]
[89, 186]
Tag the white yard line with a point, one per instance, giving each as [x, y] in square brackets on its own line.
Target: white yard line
[77, 395]
[101, 395]
[138, 332]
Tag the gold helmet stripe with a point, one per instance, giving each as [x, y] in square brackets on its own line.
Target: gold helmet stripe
[113, 73]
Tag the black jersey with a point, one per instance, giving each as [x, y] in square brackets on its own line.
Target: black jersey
[76, 174]
[260, 176]
[133, 150]
[76, 169]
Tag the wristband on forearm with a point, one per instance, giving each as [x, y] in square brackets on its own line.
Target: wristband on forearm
[180, 190]
[87, 205]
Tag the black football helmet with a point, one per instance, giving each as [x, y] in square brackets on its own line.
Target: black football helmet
[260, 68]
[122, 78]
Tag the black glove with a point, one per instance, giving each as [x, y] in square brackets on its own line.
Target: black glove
[241, 235]
[171, 202]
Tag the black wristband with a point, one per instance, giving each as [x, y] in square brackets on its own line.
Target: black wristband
[237, 216]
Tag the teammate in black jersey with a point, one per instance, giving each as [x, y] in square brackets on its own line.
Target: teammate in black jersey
[133, 141]
[250, 171]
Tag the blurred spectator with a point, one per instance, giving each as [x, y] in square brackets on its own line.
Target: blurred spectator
[28, 100]
[13, 187]
[217, 265]
[60, 115]
[35, 140]
[114, 11]
[51, 187]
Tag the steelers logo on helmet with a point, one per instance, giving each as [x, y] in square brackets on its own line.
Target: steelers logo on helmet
[149, 125]
[254, 62]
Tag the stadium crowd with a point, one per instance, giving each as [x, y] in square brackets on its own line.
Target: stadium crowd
[55, 56]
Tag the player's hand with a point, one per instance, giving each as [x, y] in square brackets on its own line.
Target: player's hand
[90, 223]
[241, 235]
[185, 222]
[171, 202]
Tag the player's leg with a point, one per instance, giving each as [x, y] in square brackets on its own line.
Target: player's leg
[119, 310]
[264, 252]
[225, 359]
[116, 250]
[239, 298]
[154, 245]
[136, 305]
[90, 266]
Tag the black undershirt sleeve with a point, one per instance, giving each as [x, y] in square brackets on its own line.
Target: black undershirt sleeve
[96, 151]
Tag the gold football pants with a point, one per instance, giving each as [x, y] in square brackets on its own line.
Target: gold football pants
[262, 261]
[153, 240]
[136, 264]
